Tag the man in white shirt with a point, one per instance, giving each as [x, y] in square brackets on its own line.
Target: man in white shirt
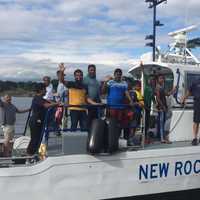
[62, 91]
[62, 96]
[49, 88]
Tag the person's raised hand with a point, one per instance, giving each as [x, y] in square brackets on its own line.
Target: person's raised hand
[108, 78]
[62, 67]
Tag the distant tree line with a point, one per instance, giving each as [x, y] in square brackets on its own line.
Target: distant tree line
[29, 86]
[26, 86]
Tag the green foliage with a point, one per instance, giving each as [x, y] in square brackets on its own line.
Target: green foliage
[21, 87]
[16, 86]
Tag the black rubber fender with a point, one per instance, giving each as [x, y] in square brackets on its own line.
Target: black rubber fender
[95, 141]
[112, 134]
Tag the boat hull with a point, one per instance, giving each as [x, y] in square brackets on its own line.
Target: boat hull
[144, 173]
[178, 195]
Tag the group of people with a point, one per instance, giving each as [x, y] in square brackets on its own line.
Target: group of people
[82, 100]
[125, 103]
[77, 94]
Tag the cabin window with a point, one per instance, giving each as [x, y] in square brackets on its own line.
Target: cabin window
[169, 81]
[191, 77]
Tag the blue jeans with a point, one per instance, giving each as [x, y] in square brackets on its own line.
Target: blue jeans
[161, 124]
[78, 116]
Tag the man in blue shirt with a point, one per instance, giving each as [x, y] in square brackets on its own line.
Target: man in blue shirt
[117, 93]
[117, 90]
[194, 91]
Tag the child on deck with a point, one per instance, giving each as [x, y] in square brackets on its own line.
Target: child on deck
[138, 103]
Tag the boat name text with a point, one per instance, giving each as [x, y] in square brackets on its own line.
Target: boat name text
[163, 170]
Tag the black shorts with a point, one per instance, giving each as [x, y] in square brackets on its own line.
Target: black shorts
[196, 116]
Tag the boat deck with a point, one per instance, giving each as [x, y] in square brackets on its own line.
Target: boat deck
[56, 143]
[75, 143]
[158, 145]
[56, 147]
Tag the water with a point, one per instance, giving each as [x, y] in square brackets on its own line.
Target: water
[21, 118]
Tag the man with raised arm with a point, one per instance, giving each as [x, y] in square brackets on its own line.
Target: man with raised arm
[162, 107]
[117, 92]
[78, 95]
[62, 91]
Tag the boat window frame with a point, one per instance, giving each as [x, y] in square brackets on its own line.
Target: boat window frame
[156, 70]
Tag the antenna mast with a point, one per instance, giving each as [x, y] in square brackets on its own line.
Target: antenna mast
[153, 4]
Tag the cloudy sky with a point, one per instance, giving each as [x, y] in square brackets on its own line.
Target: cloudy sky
[36, 35]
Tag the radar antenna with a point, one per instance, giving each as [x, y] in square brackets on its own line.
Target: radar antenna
[179, 44]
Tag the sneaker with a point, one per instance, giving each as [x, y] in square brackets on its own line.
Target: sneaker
[163, 141]
[195, 142]
[168, 141]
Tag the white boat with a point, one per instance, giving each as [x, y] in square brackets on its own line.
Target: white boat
[164, 171]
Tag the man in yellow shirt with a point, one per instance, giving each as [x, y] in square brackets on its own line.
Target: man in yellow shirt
[78, 95]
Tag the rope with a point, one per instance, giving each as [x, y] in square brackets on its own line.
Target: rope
[27, 120]
[178, 120]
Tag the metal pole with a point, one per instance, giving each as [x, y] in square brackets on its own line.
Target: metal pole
[154, 30]
[27, 121]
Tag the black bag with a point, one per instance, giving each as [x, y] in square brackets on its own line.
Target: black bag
[95, 141]
[112, 134]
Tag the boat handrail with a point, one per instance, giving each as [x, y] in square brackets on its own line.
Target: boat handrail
[101, 105]
[46, 130]
[26, 124]
[177, 86]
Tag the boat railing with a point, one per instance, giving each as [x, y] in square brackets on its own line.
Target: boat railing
[86, 106]
[49, 127]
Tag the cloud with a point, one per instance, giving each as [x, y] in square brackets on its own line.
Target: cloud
[36, 35]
